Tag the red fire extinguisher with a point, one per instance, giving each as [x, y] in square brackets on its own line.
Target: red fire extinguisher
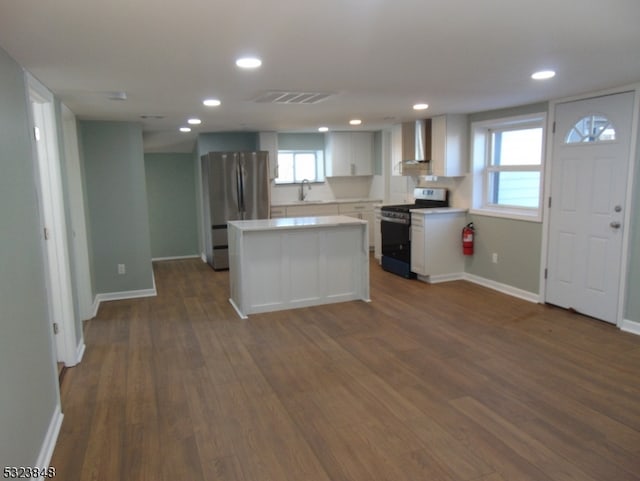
[467, 239]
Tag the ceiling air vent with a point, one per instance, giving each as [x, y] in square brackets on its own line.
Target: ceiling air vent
[288, 97]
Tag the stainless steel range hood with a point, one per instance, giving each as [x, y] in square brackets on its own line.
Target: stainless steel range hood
[416, 147]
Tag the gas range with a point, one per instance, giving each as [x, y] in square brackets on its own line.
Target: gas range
[430, 198]
[395, 228]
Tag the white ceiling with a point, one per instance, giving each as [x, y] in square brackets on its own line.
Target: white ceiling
[378, 57]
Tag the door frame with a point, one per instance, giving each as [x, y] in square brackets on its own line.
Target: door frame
[626, 235]
[57, 262]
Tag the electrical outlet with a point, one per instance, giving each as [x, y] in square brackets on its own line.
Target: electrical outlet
[121, 269]
[494, 258]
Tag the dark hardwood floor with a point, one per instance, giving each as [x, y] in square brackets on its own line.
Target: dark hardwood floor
[446, 382]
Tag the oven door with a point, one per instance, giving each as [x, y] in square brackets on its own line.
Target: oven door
[395, 239]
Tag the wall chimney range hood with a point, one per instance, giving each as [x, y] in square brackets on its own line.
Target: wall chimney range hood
[416, 147]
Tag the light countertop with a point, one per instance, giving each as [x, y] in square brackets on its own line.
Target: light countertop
[291, 203]
[296, 223]
[437, 210]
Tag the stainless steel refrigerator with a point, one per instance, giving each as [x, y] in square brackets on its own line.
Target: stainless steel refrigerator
[235, 186]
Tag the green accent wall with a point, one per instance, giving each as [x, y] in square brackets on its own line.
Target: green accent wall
[117, 199]
[518, 245]
[301, 141]
[226, 141]
[172, 204]
[29, 391]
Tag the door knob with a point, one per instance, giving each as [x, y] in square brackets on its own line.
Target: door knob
[615, 224]
[617, 208]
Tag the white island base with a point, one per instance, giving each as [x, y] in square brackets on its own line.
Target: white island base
[277, 264]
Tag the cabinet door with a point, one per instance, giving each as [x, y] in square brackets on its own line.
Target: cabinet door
[349, 153]
[269, 141]
[449, 138]
[377, 235]
[338, 154]
[417, 245]
[362, 153]
[370, 217]
[312, 210]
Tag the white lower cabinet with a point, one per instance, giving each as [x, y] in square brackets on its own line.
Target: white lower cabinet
[436, 249]
[361, 210]
[312, 210]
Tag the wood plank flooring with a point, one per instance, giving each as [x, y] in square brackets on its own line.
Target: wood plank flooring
[446, 382]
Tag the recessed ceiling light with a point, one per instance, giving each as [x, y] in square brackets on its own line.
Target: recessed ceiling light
[119, 95]
[248, 62]
[194, 121]
[211, 102]
[420, 106]
[543, 75]
[323, 129]
[185, 129]
[355, 122]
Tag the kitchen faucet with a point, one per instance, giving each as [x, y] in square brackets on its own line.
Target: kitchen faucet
[301, 194]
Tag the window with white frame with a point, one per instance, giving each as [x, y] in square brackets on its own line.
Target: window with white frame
[507, 157]
[294, 166]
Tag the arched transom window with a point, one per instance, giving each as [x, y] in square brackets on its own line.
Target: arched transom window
[592, 128]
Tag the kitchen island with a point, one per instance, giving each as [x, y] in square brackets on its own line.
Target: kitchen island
[277, 264]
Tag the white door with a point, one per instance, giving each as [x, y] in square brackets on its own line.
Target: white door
[588, 190]
[54, 224]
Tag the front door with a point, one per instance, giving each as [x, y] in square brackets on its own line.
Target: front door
[588, 190]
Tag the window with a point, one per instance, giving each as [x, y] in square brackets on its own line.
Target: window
[507, 165]
[592, 128]
[296, 165]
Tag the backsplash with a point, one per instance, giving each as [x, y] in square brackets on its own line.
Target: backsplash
[333, 188]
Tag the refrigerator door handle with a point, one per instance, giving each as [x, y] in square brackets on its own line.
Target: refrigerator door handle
[243, 177]
[239, 194]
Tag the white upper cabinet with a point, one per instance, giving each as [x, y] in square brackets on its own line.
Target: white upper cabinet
[449, 145]
[349, 153]
[269, 141]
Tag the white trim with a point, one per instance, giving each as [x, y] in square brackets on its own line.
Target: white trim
[174, 258]
[122, 295]
[480, 166]
[442, 278]
[49, 442]
[628, 325]
[53, 217]
[95, 306]
[504, 288]
[80, 352]
[203, 257]
[626, 234]
[237, 309]
[118, 296]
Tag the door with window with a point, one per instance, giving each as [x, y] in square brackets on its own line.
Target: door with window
[591, 148]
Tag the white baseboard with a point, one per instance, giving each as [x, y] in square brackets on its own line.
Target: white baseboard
[504, 288]
[49, 442]
[175, 258]
[80, 352]
[442, 278]
[630, 326]
[118, 296]
[94, 307]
